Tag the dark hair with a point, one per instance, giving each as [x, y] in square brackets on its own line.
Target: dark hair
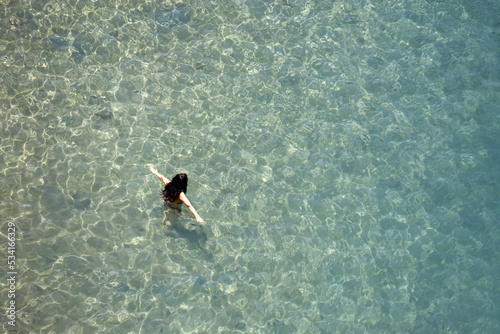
[174, 188]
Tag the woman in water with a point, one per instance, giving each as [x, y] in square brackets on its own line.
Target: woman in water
[175, 192]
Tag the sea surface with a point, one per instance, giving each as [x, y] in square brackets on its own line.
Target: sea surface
[345, 156]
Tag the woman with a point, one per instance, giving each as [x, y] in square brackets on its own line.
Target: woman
[175, 192]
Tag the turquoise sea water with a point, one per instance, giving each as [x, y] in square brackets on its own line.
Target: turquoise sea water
[343, 153]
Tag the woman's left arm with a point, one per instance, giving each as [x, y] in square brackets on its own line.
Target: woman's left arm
[191, 208]
[161, 177]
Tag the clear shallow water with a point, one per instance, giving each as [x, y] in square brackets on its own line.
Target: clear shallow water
[344, 155]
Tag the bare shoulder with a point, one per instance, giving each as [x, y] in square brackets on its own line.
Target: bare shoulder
[184, 199]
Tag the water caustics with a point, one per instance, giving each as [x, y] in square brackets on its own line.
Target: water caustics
[343, 154]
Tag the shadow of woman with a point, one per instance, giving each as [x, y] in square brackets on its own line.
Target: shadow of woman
[193, 232]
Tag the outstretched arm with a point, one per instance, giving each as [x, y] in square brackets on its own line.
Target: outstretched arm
[161, 177]
[191, 208]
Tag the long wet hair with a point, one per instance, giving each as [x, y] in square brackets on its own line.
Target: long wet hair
[174, 188]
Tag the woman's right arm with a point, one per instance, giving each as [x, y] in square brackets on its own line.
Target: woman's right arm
[191, 208]
[161, 177]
